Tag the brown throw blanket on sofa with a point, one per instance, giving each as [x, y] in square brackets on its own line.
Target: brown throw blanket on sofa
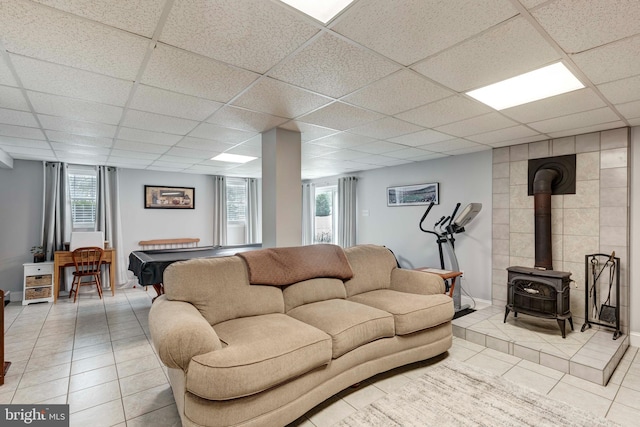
[284, 266]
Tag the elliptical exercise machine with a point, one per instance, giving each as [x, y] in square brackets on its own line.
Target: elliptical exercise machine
[444, 230]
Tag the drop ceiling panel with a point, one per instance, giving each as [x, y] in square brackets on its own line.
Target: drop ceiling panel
[176, 160]
[485, 123]
[579, 25]
[18, 118]
[21, 132]
[121, 144]
[588, 129]
[308, 131]
[63, 148]
[343, 140]
[17, 151]
[76, 109]
[378, 147]
[343, 155]
[140, 135]
[340, 116]
[615, 61]
[409, 153]
[511, 133]
[135, 154]
[70, 138]
[621, 91]
[456, 144]
[60, 80]
[156, 122]
[388, 127]
[40, 32]
[185, 72]
[128, 162]
[630, 110]
[505, 51]
[280, 99]
[333, 67]
[398, 92]
[22, 142]
[246, 150]
[266, 32]
[560, 105]
[139, 16]
[421, 138]
[467, 150]
[219, 133]
[6, 78]
[245, 119]
[154, 100]
[12, 97]
[77, 127]
[204, 144]
[575, 121]
[445, 111]
[416, 29]
[314, 150]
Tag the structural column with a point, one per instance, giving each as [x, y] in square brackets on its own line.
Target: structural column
[281, 188]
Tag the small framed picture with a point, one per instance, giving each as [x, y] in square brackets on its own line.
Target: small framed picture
[413, 195]
[159, 197]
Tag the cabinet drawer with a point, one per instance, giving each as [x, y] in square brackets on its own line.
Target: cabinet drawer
[35, 293]
[38, 270]
[42, 280]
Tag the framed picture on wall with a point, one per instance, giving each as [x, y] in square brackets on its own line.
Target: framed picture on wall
[160, 197]
[413, 195]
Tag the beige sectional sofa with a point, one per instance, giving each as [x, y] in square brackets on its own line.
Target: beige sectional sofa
[259, 338]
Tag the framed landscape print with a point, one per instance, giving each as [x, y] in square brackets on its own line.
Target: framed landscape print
[159, 197]
[413, 195]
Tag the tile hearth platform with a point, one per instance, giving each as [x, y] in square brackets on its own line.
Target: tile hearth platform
[591, 355]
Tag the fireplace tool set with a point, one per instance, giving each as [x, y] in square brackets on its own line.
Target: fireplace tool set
[600, 311]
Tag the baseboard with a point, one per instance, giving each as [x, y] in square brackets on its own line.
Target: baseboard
[634, 339]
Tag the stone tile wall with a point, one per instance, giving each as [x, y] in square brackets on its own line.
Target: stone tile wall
[594, 220]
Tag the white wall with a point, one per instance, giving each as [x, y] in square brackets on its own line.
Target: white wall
[20, 221]
[464, 179]
[139, 223]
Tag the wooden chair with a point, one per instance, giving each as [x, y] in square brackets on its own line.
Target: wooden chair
[87, 262]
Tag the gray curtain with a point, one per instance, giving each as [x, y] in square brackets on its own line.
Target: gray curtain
[308, 212]
[56, 215]
[347, 212]
[254, 222]
[108, 218]
[219, 210]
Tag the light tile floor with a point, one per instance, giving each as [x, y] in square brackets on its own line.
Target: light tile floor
[97, 356]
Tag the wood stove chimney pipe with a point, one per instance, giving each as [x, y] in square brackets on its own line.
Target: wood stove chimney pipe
[542, 183]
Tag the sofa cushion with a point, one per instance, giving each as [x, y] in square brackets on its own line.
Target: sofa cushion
[261, 352]
[411, 312]
[219, 288]
[312, 290]
[284, 266]
[372, 266]
[349, 324]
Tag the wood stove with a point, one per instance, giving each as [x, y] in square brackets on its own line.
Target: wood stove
[540, 293]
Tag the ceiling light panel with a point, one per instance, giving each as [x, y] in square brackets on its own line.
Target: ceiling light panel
[539, 84]
[233, 158]
[323, 11]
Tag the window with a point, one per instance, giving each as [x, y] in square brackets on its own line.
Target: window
[83, 185]
[236, 200]
[326, 220]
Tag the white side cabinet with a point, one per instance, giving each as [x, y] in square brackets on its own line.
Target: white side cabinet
[38, 282]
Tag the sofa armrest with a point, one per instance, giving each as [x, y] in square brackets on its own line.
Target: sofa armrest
[416, 282]
[179, 332]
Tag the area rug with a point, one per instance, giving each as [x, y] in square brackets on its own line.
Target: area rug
[457, 394]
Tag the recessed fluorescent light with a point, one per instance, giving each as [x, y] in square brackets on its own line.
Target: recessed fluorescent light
[532, 86]
[233, 158]
[323, 10]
